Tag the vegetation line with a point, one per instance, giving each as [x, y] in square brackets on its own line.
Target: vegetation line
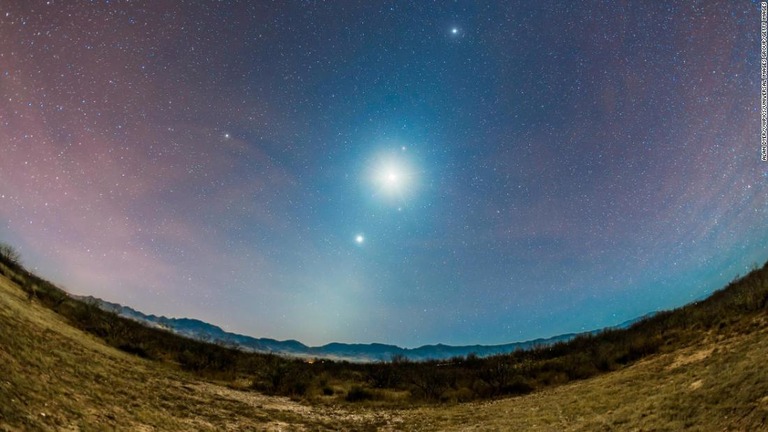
[400, 381]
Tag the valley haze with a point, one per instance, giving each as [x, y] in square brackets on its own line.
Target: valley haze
[357, 352]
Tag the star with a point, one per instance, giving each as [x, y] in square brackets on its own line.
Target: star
[455, 31]
[359, 239]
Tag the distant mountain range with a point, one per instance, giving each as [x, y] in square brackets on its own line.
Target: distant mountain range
[199, 330]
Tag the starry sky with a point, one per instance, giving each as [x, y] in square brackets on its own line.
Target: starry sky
[384, 171]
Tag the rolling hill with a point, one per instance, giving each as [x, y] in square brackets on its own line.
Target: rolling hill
[708, 374]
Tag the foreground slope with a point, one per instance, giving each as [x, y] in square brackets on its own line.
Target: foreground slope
[54, 377]
[717, 384]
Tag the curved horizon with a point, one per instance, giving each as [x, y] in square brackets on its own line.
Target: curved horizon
[411, 174]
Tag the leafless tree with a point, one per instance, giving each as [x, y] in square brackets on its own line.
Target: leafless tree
[10, 254]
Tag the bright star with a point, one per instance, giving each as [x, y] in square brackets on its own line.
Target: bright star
[454, 30]
[359, 239]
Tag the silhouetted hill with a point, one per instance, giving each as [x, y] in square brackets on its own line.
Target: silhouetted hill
[206, 332]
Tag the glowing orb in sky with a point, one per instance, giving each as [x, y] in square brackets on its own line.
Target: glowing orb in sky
[392, 176]
[359, 239]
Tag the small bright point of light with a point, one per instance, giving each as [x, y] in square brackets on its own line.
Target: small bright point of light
[226, 135]
[359, 239]
[454, 30]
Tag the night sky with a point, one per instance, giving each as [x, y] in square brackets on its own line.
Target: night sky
[395, 172]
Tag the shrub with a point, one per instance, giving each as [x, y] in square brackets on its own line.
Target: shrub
[134, 349]
[10, 255]
[357, 393]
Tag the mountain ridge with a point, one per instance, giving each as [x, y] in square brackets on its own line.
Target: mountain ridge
[356, 352]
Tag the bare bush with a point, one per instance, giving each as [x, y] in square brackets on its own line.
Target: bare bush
[9, 254]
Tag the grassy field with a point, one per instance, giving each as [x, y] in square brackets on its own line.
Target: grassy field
[717, 384]
[55, 377]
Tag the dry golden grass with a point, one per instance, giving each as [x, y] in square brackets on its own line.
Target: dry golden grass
[54, 377]
[716, 385]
